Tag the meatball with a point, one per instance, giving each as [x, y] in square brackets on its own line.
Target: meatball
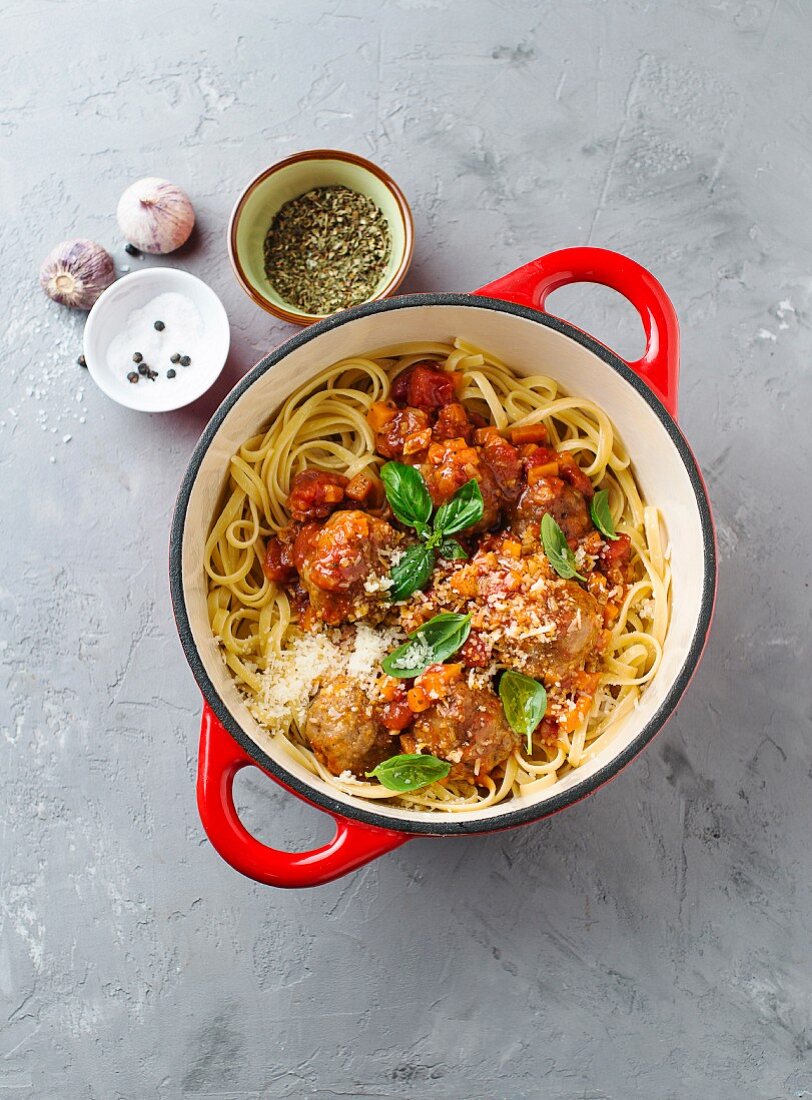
[450, 465]
[342, 731]
[553, 496]
[523, 615]
[575, 619]
[343, 565]
[467, 727]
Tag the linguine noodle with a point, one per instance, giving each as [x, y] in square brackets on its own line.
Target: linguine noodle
[323, 425]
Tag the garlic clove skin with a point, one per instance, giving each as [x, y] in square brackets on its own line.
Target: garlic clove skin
[155, 215]
[76, 272]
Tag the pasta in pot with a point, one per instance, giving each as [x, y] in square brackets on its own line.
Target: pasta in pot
[280, 656]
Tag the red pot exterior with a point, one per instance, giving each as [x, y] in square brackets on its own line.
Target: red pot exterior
[532, 284]
[356, 843]
[219, 760]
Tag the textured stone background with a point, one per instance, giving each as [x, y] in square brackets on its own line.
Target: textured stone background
[652, 942]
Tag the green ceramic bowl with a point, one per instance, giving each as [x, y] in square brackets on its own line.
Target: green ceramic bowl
[271, 189]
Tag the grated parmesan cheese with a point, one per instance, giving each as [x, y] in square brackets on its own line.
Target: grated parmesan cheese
[646, 610]
[290, 679]
[370, 648]
[293, 677]
[375, 583]
[419, 654]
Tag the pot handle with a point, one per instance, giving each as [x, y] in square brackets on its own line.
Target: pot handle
[219, 761]
[532, 284]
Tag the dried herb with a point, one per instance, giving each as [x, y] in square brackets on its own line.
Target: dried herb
[327, 249]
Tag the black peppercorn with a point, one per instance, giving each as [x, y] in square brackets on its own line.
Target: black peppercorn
[159, 326]
[175, 358]
[131, 250]
[152, 375]
[137, 357]
[132, 376]
[82, 361]
[185, 360]
[171, 373]
[143, 369]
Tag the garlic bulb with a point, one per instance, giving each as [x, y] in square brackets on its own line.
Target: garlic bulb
[76, 272]
[155, 215]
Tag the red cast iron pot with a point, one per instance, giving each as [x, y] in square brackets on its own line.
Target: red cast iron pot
[507, 317]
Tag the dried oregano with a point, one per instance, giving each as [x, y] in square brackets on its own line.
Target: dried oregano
[327, 249]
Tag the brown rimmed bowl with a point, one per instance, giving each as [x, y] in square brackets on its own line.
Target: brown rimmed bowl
[271, 189]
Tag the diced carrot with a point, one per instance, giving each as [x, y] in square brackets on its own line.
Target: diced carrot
[528, 433]
[596, 583]
[576, 716]
[379, 415]
[389, 687]
[431, 685]
[418, 699]
[484, 436]
[536, 473]
[359, 487]
[586, 681]
[464, 582]
[610, 613]
[437, 679]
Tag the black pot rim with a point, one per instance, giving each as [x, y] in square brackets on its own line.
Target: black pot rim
[434, 825]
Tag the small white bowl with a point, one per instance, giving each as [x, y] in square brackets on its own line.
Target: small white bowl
[108, 318]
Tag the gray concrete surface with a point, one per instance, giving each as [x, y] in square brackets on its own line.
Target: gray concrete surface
[652, 942]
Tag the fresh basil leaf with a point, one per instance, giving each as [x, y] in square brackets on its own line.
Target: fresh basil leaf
[557, 549]
[430, 644]
[601, 516]
[407, 495]
[446, 631]
[411, 572]
[463, 510]
[524, 702]
[410, 771]
[451, 549]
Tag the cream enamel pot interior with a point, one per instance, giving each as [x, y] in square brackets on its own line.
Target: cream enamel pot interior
[507, 318]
